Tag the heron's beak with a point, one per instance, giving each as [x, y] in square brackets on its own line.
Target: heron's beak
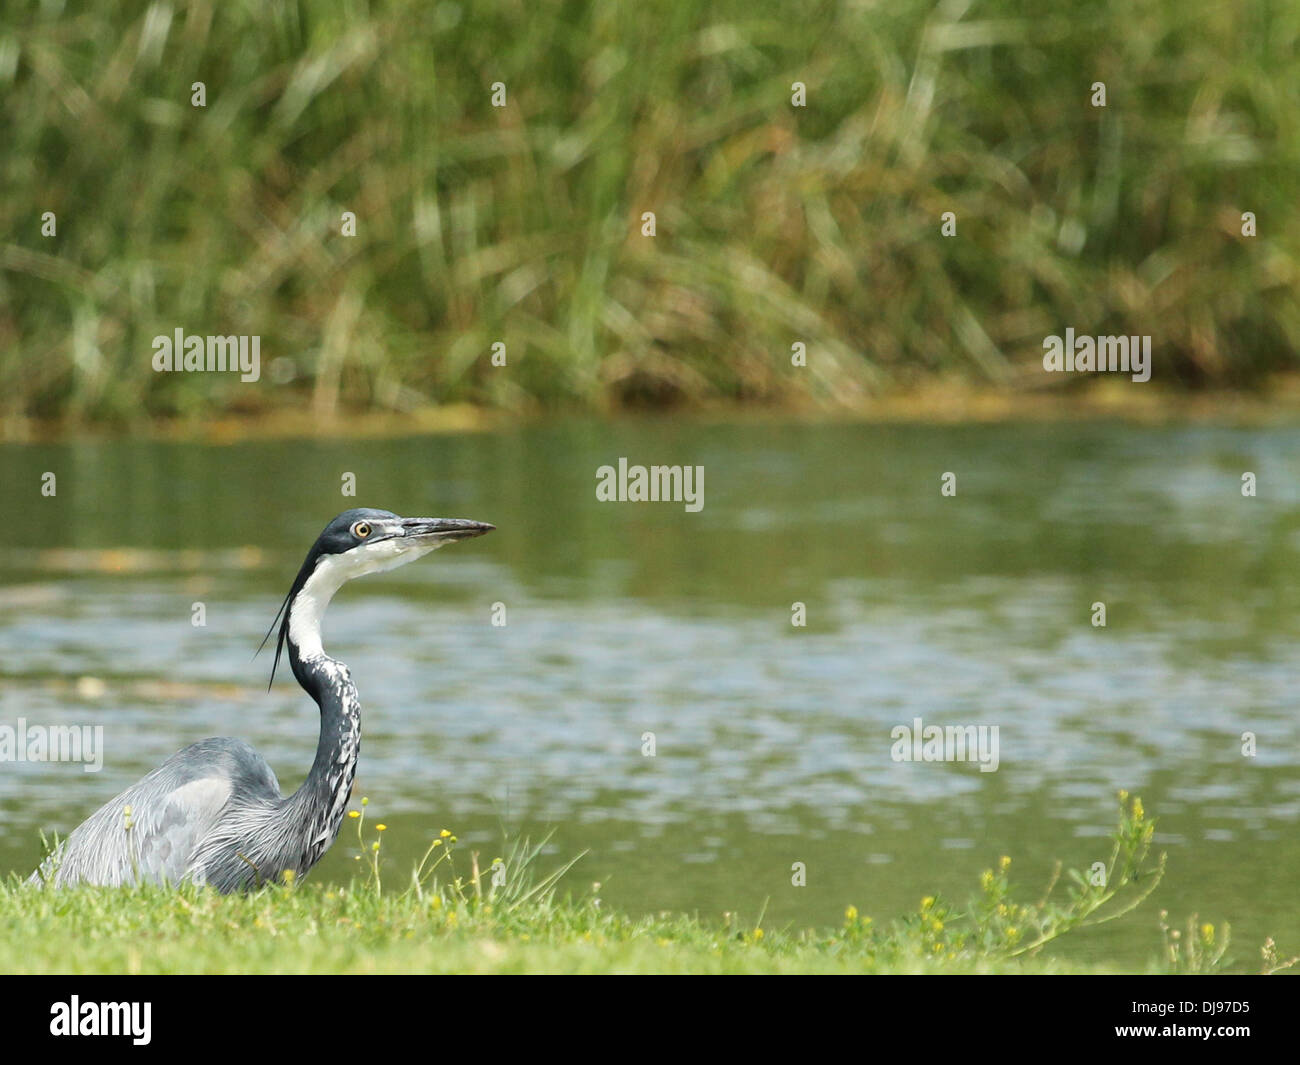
[442, 530]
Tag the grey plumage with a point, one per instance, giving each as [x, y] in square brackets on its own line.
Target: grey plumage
[213, 813]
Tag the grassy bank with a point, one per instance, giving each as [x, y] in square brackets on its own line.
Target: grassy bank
[939, 402]
[775, 224]
[455, 914]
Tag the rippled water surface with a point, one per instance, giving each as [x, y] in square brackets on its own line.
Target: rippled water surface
[772, 741]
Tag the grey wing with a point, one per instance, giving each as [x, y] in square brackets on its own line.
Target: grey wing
[153, 830]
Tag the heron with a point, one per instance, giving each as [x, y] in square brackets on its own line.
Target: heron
[213, 812]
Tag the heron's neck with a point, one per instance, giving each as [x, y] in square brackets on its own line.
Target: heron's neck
[320, 803]
[307, 610]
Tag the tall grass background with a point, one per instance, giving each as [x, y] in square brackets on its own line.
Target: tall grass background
[776, 224]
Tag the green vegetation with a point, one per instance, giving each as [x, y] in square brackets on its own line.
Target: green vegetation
[453, 915]
[522, 224]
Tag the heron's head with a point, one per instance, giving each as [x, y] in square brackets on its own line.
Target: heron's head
[363, 540]
[357, 542]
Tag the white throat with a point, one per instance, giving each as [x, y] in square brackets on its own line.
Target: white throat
[307, 610]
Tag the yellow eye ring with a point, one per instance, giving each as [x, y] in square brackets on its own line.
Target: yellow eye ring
[361, 529]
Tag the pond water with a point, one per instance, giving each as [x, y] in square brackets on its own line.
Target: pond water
[772, 741]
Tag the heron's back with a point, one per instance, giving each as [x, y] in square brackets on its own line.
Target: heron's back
[162, 829]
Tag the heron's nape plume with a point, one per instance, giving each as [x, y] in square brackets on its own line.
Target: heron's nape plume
[279, 644]
[213, 812]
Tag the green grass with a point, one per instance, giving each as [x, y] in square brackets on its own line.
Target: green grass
[453, 916]
[775, 223]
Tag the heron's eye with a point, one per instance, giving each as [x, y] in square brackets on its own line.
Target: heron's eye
[361, 529]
